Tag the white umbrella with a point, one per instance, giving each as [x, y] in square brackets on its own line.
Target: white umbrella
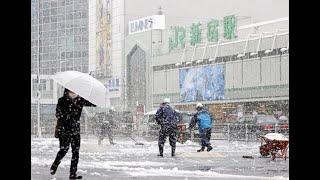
[84, 85]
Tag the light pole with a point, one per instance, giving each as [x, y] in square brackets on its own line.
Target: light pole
[38, 74]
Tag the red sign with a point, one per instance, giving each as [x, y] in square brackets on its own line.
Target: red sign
[140, 109]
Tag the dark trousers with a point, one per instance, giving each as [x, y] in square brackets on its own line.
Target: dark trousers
[103, 132]
[65, 141]
[205, 135]
[168, 131]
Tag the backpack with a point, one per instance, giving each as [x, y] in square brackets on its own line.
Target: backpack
[204, 120]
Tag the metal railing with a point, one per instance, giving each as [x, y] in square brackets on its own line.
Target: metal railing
[228, 131]
[220, 131]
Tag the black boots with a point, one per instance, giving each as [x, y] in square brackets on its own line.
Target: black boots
[74, 176]
[53, 169]
[160, 151]
[173, 149]
[200, 150]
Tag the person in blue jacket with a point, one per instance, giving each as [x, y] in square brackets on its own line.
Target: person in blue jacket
[167, 117]
[204, 120]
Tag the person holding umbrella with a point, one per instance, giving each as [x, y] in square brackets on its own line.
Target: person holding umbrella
[68, 112]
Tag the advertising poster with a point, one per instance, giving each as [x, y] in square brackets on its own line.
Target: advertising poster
[202, 84]
[102, 34]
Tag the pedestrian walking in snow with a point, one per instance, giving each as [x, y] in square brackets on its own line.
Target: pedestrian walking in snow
[68, 112]
[204, 120]
[166, 117]
[105, 126]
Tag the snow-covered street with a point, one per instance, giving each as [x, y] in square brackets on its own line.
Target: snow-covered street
[125, 160]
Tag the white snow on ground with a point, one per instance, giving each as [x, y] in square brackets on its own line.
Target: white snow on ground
[136, 161]
[95, 173]
[176, 172]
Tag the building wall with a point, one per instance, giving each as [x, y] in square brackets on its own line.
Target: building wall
[264, 77]
[156, 45]
[63, 42]
[136, 78]
[64, 36]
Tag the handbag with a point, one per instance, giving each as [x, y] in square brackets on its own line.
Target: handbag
[58, 128]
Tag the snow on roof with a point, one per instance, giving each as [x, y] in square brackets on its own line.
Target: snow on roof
[276, 136]
[283, 118]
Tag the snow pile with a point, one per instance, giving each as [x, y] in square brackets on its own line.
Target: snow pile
[82, 171]
[188, 142]
[95, 174]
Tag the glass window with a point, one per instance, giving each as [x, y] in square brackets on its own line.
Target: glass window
[46, 5]
[42, 85]
[34, 84]
[54, 12]
[76, 23]
[62, 25]
[84, 53]
[68, 2]
[51, 84]
[77, 15]
[61, 2]
[63, 55]
[69, 16]
[77, 30]
[53, 56]
[84, 29]
[54, 3]
[77, 54]
[85, 69]
[54, 26]
[54, 70]
[69, 32]
[69, 8]
[84, 38]
[83, 22]
[78, 68]
[84, 15]
[54, 18]
[53, 34]
[45, 12]
[46, 20]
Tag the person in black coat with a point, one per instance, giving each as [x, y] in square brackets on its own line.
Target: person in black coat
[68, 112]
[167, 117]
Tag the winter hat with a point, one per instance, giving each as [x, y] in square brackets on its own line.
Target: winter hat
[199, 106]
[166, 100]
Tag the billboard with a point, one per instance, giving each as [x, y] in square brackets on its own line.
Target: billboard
[113, 84]
[102, 34]
[202, 83]
[146, 24]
